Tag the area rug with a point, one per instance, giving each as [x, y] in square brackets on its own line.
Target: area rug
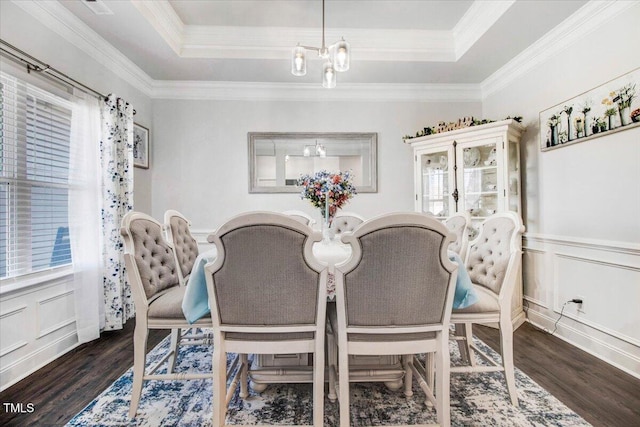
[476, 400]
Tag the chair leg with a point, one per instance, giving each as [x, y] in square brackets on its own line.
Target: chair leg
[139, 362]
[176, 335]
[219, 381]
[462, 345]
[343, 384]
[332, 361]
[318, 384]
[244, 376]
[506, 349]
[443, 378]
[408, 374]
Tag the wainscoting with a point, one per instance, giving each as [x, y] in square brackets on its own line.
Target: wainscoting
[38, 325]
[605, 275]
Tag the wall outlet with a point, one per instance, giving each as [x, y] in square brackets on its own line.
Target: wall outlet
[581, 306]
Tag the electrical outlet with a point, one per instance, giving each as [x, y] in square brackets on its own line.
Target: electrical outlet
[581, 306]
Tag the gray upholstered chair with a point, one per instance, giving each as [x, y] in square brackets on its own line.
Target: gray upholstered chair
[394, 296]
[185, 247]
[345, 222]
[457, 223]
[267, 295]
[157, 295]
[493, 262]
[303, 217]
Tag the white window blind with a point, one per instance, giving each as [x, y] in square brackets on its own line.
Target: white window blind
[36, 129]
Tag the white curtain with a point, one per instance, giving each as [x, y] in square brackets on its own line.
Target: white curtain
[116, 156]
[84, 217]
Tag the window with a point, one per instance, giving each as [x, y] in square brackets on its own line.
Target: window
[35, 127]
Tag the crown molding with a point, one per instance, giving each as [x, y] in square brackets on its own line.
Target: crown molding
[58, 19]
[199, 41]
[164, 19]
[241, 91]
[476, 21]
[572, 30]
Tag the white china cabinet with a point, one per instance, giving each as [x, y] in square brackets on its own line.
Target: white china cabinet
[475, 170]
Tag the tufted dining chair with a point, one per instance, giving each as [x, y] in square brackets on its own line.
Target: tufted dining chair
[301, 216]
[185, 247]
[345, 222]
[458, 223]
[267, 295]
[157, 295]
[493, 263]
[394, 296]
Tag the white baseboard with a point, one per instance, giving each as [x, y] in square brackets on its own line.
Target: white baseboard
[624, 361]
[25, 366]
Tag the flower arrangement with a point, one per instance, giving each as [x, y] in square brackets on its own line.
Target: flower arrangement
[324, 189]
[624, 96]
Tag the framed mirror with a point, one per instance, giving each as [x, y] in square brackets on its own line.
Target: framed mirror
[278, 159]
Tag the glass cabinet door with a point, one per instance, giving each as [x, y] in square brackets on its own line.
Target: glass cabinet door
[513, 170]
[479, 182]
[436, 183]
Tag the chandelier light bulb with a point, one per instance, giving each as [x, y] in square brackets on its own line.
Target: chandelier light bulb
[306, 152]
[328, 75]
[298, 61]
[341, 56]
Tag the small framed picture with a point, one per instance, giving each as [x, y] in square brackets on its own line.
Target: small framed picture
[140, 146]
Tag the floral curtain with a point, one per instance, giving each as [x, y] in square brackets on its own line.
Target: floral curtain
[116, 155]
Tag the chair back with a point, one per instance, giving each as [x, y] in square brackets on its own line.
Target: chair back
[399, 274]
[185, 246]
[265, 273]
[301, 216]
[150, 262]
[457, 223]
[496, 254]
[345, 222]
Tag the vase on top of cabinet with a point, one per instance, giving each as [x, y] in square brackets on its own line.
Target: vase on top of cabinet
[474, 170]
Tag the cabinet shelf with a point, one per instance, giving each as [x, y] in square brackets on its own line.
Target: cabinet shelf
[480, 168]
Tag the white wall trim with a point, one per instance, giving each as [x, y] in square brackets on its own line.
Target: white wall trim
[595, 325]
[32, 362]
[199, 41]
[476, 21]
[544, 322]
[40, 303]
[573, 29]
[595, 244]
[18, 344]
[64, 23]
[536, 301]
[248, 91]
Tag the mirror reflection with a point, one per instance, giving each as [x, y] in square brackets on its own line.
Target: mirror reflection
[277, 160]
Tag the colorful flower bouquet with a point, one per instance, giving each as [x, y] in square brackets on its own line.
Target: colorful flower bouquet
[324, 189]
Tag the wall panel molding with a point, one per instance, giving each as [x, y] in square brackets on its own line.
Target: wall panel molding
[5, 317]
[557, 258]
[41, 307]
[595, 244]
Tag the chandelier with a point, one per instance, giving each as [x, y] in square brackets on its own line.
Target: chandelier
[336, 58]
[317, 150]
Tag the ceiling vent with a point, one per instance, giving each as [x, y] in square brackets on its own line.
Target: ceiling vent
[99, 7]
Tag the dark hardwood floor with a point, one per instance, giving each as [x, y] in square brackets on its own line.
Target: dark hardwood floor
[64, 387]
[600, 393]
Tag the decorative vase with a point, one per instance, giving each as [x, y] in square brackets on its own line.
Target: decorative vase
[568, 127]
[327, 233]
[586, 125]
[554, 135]
[624, 116]
[611, 122]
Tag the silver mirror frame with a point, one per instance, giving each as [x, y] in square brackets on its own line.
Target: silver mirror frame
[252, 137]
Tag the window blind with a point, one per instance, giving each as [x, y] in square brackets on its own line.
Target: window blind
[34, 183]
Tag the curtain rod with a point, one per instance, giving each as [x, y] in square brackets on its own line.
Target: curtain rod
[34, 64]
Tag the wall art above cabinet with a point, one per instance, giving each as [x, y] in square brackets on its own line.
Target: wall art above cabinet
[609, 108]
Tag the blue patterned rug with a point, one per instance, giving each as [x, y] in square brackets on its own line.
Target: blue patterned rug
[476, 400]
